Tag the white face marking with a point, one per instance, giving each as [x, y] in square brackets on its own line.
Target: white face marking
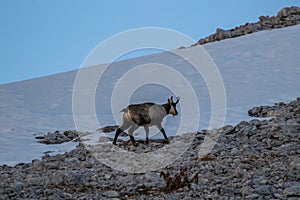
[172, 110]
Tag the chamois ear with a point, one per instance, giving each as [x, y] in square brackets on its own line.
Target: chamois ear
[170, 100]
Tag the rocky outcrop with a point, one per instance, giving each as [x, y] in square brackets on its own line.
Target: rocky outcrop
[58, 138]
[285, 17]
[108, 129]
[257, 159]
[281, 109]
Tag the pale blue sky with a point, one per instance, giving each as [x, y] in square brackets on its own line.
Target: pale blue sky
[39, 37]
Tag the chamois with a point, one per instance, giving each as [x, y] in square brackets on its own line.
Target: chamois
[146, 114]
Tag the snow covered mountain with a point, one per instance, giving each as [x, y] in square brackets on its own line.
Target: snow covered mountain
[261, 68]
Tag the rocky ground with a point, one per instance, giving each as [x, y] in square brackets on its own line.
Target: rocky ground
[58, 138]
[288, 16]
[259, 159]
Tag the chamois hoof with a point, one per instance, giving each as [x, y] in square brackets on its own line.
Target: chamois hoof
[135, 144]
[167, 141]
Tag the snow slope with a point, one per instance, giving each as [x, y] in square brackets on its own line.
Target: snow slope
[261, 68]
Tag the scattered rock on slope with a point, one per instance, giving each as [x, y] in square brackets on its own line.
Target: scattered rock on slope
[259, 159]
[57, 137]
[288, 16]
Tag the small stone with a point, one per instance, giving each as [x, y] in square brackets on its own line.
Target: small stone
[292, 191]
[18, 186]
[223, 198]
[37, 165]
[51, 165]
[252, 196]
[234, 151]
[203, 181]
[227, 130]
[111, 194]
[200, 136]
[172, 197]
[104, 139]
[195, 186]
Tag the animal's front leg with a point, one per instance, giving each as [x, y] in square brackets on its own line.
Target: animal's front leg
[119, 130]
[125, 126]
[147, 134]
[164, 133]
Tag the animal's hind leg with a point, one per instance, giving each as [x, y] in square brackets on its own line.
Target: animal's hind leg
[163, 132]
[120, 130]
[130, 132]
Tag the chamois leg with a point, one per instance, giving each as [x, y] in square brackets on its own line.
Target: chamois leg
[159, 126]
[130, 133]
[147, 134]
[120, 130]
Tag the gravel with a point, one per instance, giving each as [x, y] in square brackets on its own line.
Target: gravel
[258, 159]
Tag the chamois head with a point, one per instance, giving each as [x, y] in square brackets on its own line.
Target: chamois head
[172, 105]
